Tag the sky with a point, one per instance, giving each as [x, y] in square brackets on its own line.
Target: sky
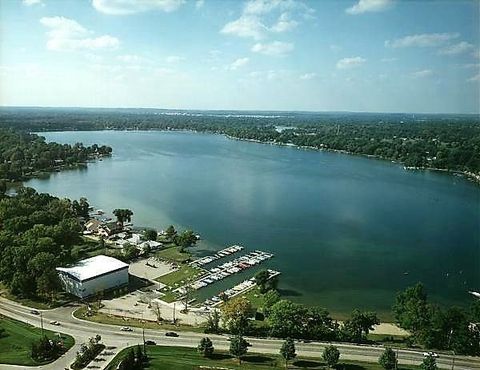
[358, 55]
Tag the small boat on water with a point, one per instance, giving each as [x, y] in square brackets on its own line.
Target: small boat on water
[475, 294]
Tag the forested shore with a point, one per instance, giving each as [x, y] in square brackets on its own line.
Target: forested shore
[439, 142]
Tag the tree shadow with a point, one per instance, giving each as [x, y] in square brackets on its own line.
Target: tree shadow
[289, 293]
[306, 364]
[220, 356]
[258, 359]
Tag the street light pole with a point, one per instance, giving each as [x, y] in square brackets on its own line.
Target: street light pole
[41, 322]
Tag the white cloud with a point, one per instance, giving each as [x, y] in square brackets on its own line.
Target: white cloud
[284, 23]
[476, 54]
[388, 60]
[475, 78]
[174, 59]
[364, 6]
[422, 40]
[68, 34]
[124, 7]
[308, 76]
[472, 65]
[422, 73]
[32, 2]
[455, 49]
[277, 48]
[199, 4]
[238, 63]
[246, 26]
[254, 22]
[347, 63]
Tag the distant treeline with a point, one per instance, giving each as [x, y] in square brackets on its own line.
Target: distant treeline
[450, 142]
[24, 155]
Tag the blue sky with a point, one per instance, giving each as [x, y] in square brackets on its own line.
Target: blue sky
[367, 55]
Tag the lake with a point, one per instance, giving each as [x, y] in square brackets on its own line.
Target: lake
[347, 232]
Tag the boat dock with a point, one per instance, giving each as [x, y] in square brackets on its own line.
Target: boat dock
[229, 268]
[220, 254]
[238, 289]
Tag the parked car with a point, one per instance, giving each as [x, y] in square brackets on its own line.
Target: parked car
[432, 354]
[150, 343]
[34, 312]
[171, 334]
[126, 328]
[54, 323]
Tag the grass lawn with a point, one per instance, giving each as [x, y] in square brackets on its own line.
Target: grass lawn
[60, 299]
[172, 254]
[104, 318]
[179, 358]
[16, 341]
[177, 278]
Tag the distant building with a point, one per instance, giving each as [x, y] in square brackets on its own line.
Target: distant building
[93, 225]
[93, 275]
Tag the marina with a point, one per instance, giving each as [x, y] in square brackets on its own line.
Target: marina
[232, 267]
[220, 254]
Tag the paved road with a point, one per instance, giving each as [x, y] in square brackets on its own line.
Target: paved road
[115, 340]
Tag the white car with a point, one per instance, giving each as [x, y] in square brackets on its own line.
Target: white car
[126, 328]
[431, 354]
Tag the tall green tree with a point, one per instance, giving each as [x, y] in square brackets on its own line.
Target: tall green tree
[330, 355]
[236, 314]
[388, 359]
[429, 363]
[123, 215]
[356, 328]
[205, 348]
[238, 347]
[411, 309]
[288, 351]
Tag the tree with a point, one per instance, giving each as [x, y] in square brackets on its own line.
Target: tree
[288, 351]
[123, 215]
[157, 310]
[411, 309]
[261, 279]
[213, 322]
[331, 355]
[356, 328]
[269, 299]
[140, 357]
[170, 232]
[388, 359]
[128, 361]
[205, 347]
[429, 363]
[185, 240]
[150, 234]
[130, 251]
[236, 313]
[238, 347]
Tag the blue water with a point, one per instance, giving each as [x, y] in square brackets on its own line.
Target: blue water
[345, 230]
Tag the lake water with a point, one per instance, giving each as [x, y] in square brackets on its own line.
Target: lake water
[346, 231]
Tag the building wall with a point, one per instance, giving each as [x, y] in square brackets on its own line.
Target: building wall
[93, 286]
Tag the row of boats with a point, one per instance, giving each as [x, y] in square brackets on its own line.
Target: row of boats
[229, 268]
[237, 289]
[220, 254]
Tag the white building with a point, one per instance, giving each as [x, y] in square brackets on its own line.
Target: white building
[93, 275]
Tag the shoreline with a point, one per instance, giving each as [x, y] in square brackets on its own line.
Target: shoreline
[468, 175]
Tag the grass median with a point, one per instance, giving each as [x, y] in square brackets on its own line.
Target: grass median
[179, 358]
[16, 340]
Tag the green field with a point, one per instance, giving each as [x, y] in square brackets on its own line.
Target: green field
[179, 358]
[179, 277]
[172, 254]
[16, 341]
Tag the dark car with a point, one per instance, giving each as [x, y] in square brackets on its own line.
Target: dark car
[150, 343]
[34, 312]
[171, 334]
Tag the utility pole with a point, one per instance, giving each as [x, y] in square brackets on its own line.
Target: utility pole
[396, 359]
[41, 322]
[174, 313]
